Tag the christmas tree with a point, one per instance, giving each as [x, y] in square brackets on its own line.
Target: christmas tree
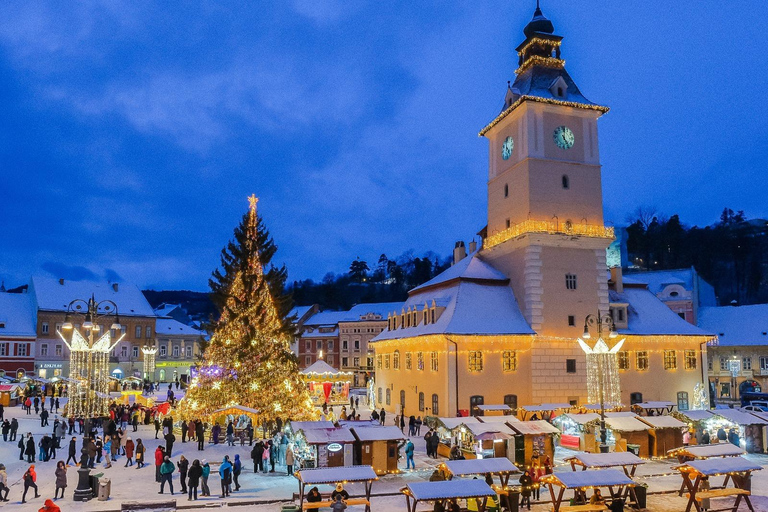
[248, 361]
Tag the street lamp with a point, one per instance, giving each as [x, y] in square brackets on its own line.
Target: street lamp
[602, 363]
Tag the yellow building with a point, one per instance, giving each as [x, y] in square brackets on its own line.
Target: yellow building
[501, 325]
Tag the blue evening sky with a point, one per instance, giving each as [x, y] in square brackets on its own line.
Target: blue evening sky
[132, 132]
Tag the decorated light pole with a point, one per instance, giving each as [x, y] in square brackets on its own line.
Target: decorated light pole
[149, 351]
[603, 382]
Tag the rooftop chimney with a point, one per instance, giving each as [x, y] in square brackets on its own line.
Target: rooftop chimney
[459, 252]
[114, 286]
[472, 247]
[618, 279]
[61, 281]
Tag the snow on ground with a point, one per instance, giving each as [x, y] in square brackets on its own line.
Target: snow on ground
[267, 492]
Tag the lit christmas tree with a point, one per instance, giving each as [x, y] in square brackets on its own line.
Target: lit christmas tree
[248, 361]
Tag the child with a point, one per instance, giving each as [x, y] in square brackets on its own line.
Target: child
[338, 505]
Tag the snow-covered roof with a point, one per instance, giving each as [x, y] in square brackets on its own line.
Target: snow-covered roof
[696, 415]
[328, 435]
[325, 318]
[390, 433]
[583, 419]
[606, 460]
[451, 423]
[737, 325]
[504, 418]
[657, 280]
[17, 315]
[165, 309]
[589, 478]
[426, 491]
[494, 465]
[309, 425]
[546, 407]
[497, 407]
[381, 309]
[625, 424]
[739, 417]
[480, 428]
[337, 474]
[662, 421]
[471, 267]
[723, 465]
[647, 315]
[171, 327]
[706, 451]
[299, 311]
[55, 295]
[537, 427]
[654, 405]
[320, 367]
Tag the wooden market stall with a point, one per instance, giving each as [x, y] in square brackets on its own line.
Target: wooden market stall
[499, 409]
[364, 475]
[653, 408]
[377, 446]
[486, 440]
[10, 395]
[326, 384]
[324, 447]
[533, 437]
[576, 432]
[666, 434]
[581, 481]
[447, 492]
[696, 420]
[736, 469]
[449, 431]
[542, 411]
[627, 433]
[751, 429]
[497, 466]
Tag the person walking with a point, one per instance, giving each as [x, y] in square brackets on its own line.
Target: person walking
[409, 464]
[289, 459]
[225, 472]
[195, 472]
[139, 454]
[402, 423]
[44, 418]
[30, 449]
[129, 449]
[206, 491]
[4, 489]
[382, 415]
[30, 479]
[526, 482]
[166, 474]
[200, 435]
[5, 429]
[157, 426]
[94, 451]
[169, 440]
[159, 456]
[61, 479]
[183, 466]
[108, 452]
[237, 467]
[14, 429]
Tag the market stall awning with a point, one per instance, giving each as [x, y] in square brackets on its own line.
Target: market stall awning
[588, 478]
[9, 388]
[237, 410]
[483, 428]
[428, 491]
[506, 418]
[739, 417]
[582, 419]
[452, 423]
[605, 460]
[696, 415]
[596, 407]
[335, 475]
[365, 434]
[706, 451]
[546, 407]
[328, 435]
[626, 424]
[662, 421]
[494, 465]
[309, 425]
[721, 466]
[323, 370]
[537, 427]
[654, 405]
[498, 407]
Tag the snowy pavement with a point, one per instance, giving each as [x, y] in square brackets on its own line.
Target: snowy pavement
[266, 492]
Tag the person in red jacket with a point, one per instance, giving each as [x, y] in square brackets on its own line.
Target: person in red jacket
[30, 477]
[49, 506]
[159, 456]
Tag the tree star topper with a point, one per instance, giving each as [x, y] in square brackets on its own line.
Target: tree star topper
[252, 201]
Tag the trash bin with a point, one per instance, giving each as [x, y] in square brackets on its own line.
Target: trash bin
[105, 487]
[634, 448]
[641, 492]
[513, 501]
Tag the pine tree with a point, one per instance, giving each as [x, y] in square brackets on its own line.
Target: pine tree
[248, 361]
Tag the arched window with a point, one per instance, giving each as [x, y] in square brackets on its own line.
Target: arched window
[435, 408]
[566, 181]
[396, 360]
[421, 401]
[402, 400]
[474, 401]
[380, 396]
[511, 402]
[389, 396]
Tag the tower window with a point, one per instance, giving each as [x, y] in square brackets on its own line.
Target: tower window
[560, 91]
[570, 366]
[566, 182]
[506, 190]
[508, 223]
[571, 320]
[570, 281]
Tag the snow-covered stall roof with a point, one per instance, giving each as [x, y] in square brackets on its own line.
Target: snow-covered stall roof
[546, 407]
[237, 409]
[722, 465]
[337, 474]
[17, 315]
[662, 421]
[584, 418]
[697, 415]
[328, 435]
[497, 407]
[589, 478]
[9, 388]
[506, 418]
[606, 460]
[536, 427]
[647, 315]
[495, 465]
[55, 295]
[320, 367]
[310, 425]
[654, 405]
[626, 424]
[477, 300]
[739, 417]
[480, 428]
[706, 451]
[425, 491]
[737, 325]
[451, 423]
[390, 433]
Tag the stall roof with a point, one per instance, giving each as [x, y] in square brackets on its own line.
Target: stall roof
[662, 421]
[320, 367]
[498, 407]
[507, 418]
[654, 405]
[546, 407]
[606, 460]
[480, 466]
[422, 491]
[584, 418]
[697, 415]
[589, 478]
[237, 409]
[620, 414]
[479, 428]
[9, 388]
[706, 451]
[328, 435]
[537, 427]
[596, 407]
[338, 474]
[626, 424]
[452, 423]
[390, 433]
[721, 466]
[738, 417]
[359, 424]
[309, 425]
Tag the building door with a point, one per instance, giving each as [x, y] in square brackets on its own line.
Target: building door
[474, 401]
[335, 455]
[402, 401]
[366, 455]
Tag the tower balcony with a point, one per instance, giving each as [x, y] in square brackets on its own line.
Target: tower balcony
[549, 227]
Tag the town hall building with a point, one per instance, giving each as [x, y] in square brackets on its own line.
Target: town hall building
[501, 325]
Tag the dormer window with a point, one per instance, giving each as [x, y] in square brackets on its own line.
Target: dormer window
[560, 92]
[559, 88]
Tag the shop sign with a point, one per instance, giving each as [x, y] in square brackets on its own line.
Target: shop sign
[334, 447]
[51, 365]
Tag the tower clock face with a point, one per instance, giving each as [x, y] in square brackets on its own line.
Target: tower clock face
[563, 137]
[507, 147]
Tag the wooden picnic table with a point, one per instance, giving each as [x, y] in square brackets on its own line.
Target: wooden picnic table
[333, 476]
[579, 481]
[738, 469]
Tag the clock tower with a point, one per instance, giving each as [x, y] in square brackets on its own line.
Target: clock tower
[545, 210]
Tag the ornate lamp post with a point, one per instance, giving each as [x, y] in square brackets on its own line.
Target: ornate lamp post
[602, 368]
[149, 351]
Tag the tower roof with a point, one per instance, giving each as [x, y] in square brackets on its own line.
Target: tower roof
[539, 23]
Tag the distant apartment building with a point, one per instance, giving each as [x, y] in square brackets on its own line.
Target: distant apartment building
[684, 291]
[178, 349]
[17, 335]
[319, 339]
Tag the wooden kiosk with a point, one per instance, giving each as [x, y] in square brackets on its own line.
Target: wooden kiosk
[377, 446]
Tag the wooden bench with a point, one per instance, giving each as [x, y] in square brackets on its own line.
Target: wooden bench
[720, 493]
[323, 504]
[596, 507]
